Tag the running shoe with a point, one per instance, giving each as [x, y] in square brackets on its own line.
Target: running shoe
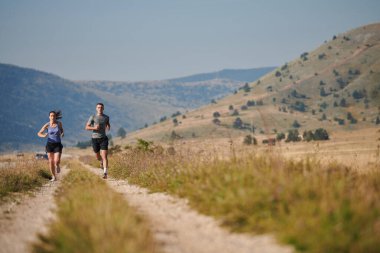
[105, 176]
[53, 179]
[58, 169]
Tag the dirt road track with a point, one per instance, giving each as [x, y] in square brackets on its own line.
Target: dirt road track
[178, 229]
[22, 219]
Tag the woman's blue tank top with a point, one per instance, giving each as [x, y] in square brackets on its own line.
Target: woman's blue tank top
[54, 134]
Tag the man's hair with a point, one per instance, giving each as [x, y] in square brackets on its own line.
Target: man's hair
[100, 104]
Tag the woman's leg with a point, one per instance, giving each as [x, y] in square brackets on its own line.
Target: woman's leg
[51, 164]
[57, 160]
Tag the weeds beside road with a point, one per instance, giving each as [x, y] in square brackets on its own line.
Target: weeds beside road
[93, 218]
[21, 175]
[314, 207]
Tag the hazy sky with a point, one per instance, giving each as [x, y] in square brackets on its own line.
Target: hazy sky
[134, 40]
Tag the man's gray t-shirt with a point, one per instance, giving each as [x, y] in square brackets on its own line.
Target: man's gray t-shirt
[101, 120]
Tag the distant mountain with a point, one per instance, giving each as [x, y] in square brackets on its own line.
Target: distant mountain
[28, 96]
[242, 75]
[336, 87]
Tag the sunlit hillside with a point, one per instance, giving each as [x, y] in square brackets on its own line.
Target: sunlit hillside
[335, 87]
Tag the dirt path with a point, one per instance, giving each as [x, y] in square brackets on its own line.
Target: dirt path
[26, 216]
[178, 229]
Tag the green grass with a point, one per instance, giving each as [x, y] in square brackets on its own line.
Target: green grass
[23, 175]
[93, 218]
[313, 207]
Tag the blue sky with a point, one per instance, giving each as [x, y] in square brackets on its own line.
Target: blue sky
[135, 40]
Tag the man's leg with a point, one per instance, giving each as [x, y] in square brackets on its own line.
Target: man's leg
[96, 148]
[104, 154]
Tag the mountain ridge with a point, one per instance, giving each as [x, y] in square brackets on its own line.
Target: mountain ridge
[30, 94]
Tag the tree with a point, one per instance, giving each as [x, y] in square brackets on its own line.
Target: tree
[321, 134]
[308, 136]
[249, 140]
[293, 135]
[216, 114]
[121, 133]
[238, 123]
[296, 124]
[280, 136]
[343, 103]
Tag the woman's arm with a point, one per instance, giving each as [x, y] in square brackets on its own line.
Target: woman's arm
[61, 127]
[41, 132]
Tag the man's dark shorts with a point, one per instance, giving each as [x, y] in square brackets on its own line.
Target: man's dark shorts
[54, 147]
[99, 144]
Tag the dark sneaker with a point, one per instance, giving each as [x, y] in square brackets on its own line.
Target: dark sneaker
[58, 169]
[105, 176]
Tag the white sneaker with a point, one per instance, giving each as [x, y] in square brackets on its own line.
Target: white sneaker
[53, 179]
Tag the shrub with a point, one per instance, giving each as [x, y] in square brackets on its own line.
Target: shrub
[343, 102]
[296, 124]
[238, 123]
[308, 136]
[251, 103]
[249, 140]
[293, 136]
[280, 136]
[121, 133]
[216, 121]
[216, 114]
[235, 113]
[321, 134]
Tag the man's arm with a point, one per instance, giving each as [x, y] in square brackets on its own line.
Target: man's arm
[89, 123]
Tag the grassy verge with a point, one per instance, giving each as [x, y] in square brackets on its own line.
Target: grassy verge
[93, 218]
[314, 207]
[21, 175]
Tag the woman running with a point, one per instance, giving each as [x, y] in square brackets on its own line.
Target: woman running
[53, 146]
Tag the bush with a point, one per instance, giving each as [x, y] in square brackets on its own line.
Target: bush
[216, 121]
[251, 103]
[238, 123]
[216, 114]
[121, 133]
[249, 140]
[321, 134]
[296, 124]
[84, 144]
[280, 136]
[293, 136]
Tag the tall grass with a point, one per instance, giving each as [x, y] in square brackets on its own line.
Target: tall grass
[314, 207]
[93, 218]
[22, 175]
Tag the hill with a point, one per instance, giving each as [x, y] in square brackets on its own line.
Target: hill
[335, 87]
[28, 96]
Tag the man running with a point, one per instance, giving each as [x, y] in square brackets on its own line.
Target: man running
[98, 124]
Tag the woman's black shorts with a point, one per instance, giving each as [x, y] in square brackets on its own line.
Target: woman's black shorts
[99, 144]
[54, 147]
